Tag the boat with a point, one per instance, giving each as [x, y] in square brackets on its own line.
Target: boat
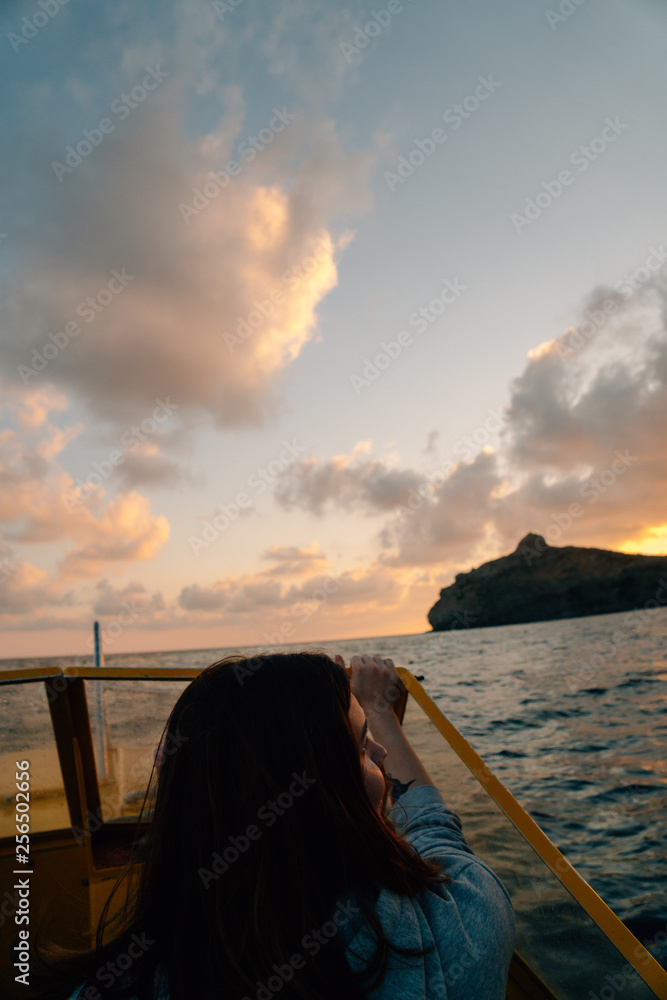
[79, 743]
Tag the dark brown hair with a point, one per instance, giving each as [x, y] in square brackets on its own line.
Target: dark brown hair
[231, 877]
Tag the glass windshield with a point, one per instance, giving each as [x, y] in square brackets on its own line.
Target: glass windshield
[27, 735]
[127, 719]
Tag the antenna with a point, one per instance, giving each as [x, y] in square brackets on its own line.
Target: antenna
[100, 715]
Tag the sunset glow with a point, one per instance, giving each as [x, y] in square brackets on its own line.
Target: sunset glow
[275, 361]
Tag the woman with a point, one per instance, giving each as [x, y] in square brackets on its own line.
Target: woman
[270, 868]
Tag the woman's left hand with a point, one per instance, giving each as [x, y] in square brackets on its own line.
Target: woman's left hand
[374, 681]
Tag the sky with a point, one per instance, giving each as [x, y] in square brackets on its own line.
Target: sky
[308, 307]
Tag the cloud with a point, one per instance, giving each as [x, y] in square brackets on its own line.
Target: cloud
[370, 587]
[114, 600]
[26, 589]
[253, 594]
[236, 596]
[213, 306]
[39, 501]
[572, 406]
[290, 560]
[148, 466]
[317, 55]
[344, 483]
[449, 520]
[430, 447]
[126, 531]
[573, 422]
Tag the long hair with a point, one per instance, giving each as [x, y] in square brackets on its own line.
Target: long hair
[260, 824]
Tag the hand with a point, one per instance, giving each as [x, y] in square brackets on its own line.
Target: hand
[376, 685]
[374, 682]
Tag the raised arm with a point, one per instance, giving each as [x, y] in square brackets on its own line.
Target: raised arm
[375, 684]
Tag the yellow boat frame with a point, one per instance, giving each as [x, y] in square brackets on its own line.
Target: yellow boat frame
[82, 871]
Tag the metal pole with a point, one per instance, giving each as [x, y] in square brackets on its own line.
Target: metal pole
[100, 729]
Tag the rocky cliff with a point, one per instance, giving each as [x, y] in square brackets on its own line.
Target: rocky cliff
[538, 582]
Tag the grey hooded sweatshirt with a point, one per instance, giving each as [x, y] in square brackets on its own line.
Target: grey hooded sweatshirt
[469, 920]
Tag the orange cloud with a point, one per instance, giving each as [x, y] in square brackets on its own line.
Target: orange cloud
[39, 502]
[290, 560]
[212, 307]
[126, 531]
